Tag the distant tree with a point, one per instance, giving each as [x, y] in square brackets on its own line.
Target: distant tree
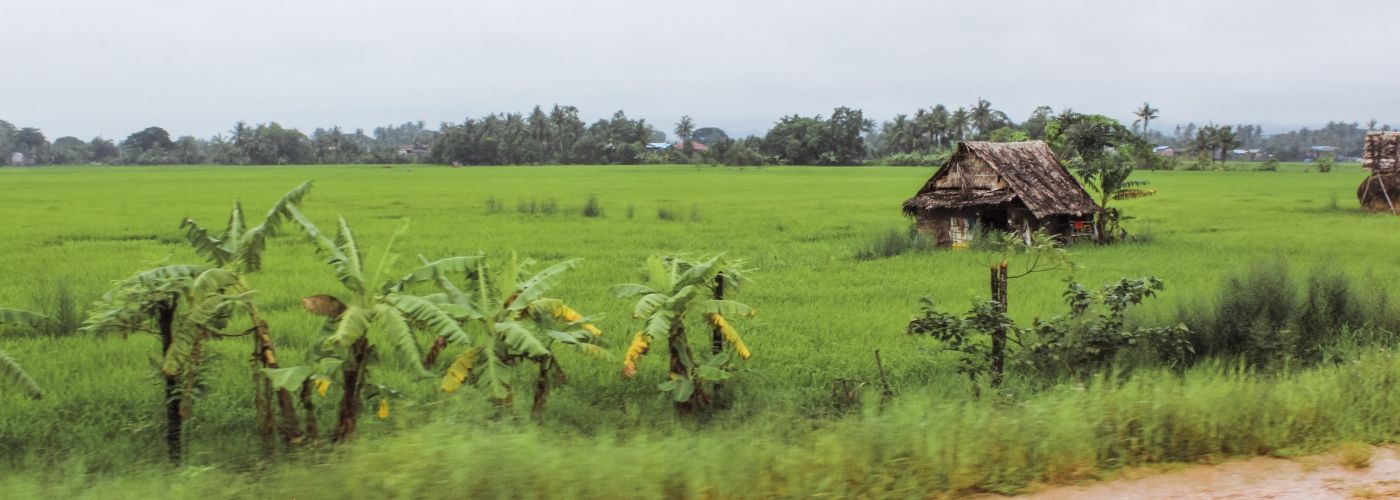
[188, 151]
[1102, 153]
[958, 124]
[708, 135]
[70, 151]
[1225, 141]
[103, 149]
[985, 119]
[685, 130]
[1035, 125]
[1145, 115]
[32, 143]
[149, 146]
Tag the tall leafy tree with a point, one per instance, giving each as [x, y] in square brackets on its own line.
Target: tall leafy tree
[1102, 153]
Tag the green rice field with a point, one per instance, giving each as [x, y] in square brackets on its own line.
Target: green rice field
[69, 232]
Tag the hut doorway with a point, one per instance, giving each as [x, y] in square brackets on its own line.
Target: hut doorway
[994, 219]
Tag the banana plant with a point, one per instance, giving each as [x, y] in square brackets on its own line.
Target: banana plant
[673, 291]
[520, 323]
[375, 307]
[10, 370]
[205, 299]
[238, 250]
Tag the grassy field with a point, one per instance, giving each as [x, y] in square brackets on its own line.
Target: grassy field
[69, 232]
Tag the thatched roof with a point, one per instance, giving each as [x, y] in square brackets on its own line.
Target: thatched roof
[1382, 152]
[1030, 171]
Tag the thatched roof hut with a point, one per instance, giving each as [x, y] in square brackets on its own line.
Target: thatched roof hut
[1001, 186]
[1380, 192]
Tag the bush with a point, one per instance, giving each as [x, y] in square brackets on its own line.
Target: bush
[664, 213]
[1324, 164]
[591, 208]
[494, 206]
[1269, 165]
[894, 242]
[914, 159]
[1262, 317]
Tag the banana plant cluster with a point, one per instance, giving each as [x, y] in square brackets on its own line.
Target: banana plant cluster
[518, 323]
[675, 289]
[190, 303]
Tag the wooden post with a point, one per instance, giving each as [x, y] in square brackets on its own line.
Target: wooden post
[999, 335]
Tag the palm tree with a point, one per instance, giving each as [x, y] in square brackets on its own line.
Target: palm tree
[519, 323]
[1146, 114]
[958, 123]
[985, 119]
[685, 130]
[673, 290]
[375, 307]
[10, 370]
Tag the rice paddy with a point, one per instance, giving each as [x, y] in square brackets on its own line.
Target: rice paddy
[70, 231]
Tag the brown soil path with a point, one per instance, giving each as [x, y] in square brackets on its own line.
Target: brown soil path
[1320, 477]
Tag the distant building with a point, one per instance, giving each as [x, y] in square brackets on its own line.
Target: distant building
[1164, 151]
[1316, 152]
[413, 150]
[658, 145]
[694, 145]
[17, 158]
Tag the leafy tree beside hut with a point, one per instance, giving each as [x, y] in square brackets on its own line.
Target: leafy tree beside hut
[1010, 187]
[1380, 192]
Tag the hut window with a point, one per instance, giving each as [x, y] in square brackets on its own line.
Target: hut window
[959, 229]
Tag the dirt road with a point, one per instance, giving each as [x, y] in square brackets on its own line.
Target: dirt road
[1319, 477]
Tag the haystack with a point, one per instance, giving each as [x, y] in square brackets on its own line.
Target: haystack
[1380, 192]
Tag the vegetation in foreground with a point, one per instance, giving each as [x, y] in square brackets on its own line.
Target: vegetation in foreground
[1208, 227]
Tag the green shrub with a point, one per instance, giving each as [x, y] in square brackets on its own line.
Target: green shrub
[591, 208]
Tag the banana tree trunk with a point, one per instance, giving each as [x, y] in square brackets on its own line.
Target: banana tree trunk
[433, 353]
[682, 359]
[174, 423]
[717, 334]
[313, 431]
[350, 403]
[264, 353]
[541, 389]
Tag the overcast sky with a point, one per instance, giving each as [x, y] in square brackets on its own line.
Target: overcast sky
[195, 67]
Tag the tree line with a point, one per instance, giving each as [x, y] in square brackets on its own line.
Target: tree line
[560, 135]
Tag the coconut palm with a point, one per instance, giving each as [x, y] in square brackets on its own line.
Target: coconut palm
[985, 119]
[1145, 114]
[673, 290]
[10, 370]
[685, 130]
[958, 124]
[519, 324]
[374, 307]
